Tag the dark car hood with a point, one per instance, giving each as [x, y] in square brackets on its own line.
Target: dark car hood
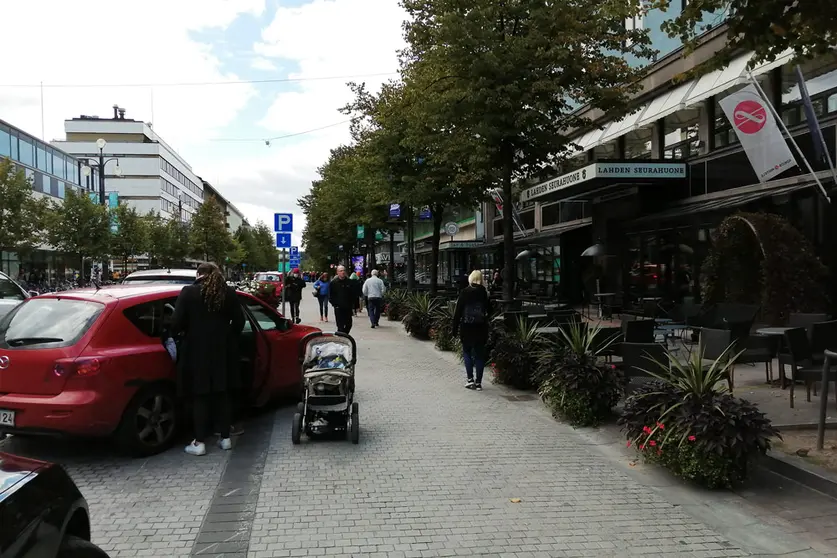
[16, 471]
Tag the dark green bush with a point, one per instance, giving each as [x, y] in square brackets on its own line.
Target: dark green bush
[442, 329]
[419, 310]
[514, 354]
[395, 304]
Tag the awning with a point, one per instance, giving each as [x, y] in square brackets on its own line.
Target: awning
[550, 233]
[718, 81]
[621, 127]
[666, 105]
[717, 204]
[591, 138]
[781, 60]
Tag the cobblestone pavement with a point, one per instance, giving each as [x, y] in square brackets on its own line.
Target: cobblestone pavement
[438, 472]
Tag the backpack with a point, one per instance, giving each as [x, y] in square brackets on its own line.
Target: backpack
[474, 313]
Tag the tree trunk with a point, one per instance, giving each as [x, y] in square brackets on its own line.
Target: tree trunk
[434, 255]
[508, 227]
[369, 248]
[391, 266]
[411, 263]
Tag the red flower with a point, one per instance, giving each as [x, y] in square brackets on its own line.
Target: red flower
[629, 443]
[692, 438]
[652, 443]
[646, 430]
[661, 426]
[642, 446]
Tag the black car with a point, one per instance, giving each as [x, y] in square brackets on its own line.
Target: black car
[42, 512]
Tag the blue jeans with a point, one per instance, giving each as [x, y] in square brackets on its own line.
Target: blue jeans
[323, 300]
[474, 356]
[373, 308]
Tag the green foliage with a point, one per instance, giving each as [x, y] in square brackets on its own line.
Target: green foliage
[258, 248]
[79, 226]
[395, 304]
[514, 354]
[168, 240]
[209, 238]
[760, 258]
[442, 330]
[420, 308]
[688, 423]
[132, 236]
[22, 215]
[766, 27]
[503, 80]
[580, 387]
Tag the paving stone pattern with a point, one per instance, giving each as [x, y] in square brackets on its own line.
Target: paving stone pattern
[434, 474]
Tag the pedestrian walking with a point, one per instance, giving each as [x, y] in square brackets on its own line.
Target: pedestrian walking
[342, 293]
[321, 288]
[374, 290]
[209, 320]
[357, 290]
[471, 323]
[293, 293]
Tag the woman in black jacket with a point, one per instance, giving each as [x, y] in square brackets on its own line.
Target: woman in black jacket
[293, 293]
[471, 321]
[209, 317]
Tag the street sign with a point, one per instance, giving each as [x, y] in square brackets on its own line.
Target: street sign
[283, 223]
[283, 240]
[294, 251]
[451, 228]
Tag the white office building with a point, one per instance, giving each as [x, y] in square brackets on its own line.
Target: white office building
[151, 176]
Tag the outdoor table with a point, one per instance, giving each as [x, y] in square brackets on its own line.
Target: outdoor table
[780, 333]
[549, 331]
[603, 298]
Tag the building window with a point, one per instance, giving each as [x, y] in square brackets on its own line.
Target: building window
[42, 158]
[681, 134]
[59, 167]
[5, 142]
[633, 24]
[607, 150]
[27, 152]
[14, 146]
[638, 143]
[821, 80]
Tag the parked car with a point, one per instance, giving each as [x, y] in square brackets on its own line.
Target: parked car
[92, 363]
[171, 276]
[11, 294]
[42, 512]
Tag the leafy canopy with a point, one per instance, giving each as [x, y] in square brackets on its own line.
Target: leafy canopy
[22, 215]
[79, 226]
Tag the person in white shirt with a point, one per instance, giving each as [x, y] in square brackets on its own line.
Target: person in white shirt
[374, 290]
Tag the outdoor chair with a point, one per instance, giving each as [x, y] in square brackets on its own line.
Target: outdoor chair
[756, 348]
[801, 361]
[823, 337]
[605, 335]
[799, 319]
[639, 358]
[715, 343]
[638, 331]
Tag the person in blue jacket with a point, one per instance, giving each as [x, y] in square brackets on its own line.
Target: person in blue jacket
[321, 292]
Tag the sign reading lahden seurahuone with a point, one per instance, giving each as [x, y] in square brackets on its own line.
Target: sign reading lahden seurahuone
[605, 170]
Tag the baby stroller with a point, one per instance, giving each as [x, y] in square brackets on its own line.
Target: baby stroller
[328, 387]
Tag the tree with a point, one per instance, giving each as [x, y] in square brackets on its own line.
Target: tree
[766, 27]
[80, 227]
[167, 240]
[208, 235]
[157, 235]
[22, 215]
[507, 77]
[131, 236]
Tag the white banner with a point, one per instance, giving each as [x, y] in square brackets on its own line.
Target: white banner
[758, 132]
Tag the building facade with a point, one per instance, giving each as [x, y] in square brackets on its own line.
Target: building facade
[233, 216]
[51, 171]
[154, 177]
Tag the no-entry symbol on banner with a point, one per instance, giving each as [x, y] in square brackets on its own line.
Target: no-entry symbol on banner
[750, 116]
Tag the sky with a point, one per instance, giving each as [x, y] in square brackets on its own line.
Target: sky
[130, 52]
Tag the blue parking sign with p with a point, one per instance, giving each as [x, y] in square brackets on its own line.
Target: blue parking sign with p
[283, 240]
[295, 251]
[283, 223]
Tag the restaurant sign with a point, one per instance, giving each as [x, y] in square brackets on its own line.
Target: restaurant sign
[619, 170]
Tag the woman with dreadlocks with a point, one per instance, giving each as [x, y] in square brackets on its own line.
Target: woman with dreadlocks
[209, 318]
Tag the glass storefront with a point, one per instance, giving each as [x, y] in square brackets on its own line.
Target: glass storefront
[662, 265]
[38, 266]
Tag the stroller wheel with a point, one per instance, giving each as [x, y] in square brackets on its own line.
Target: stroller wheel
[296, 429]
[354, 432]
[300, 407]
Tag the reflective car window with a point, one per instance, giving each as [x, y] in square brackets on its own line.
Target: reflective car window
[56, 322]
[265, 319]
[8, 290]
[167, 279]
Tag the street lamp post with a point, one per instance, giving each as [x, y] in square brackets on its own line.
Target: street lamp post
[100, 164]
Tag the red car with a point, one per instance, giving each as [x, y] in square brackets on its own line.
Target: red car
[92, 363]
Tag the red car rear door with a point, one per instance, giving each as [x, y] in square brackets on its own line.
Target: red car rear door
[277, 368]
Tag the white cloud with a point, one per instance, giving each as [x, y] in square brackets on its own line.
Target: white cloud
[96, 42]
[260, 63]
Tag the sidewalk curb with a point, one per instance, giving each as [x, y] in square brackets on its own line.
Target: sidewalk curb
[800, 471]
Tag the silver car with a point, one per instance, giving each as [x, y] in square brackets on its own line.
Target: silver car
[11, 294]
[170, 276]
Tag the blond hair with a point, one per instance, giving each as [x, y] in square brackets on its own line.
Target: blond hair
[475, 278]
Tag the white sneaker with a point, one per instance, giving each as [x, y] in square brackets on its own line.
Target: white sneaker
[196, 448]
[225, 444]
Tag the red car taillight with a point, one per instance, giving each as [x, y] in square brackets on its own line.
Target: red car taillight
[83, 367]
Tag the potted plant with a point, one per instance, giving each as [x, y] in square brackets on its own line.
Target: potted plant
[442, 330]
[513, 356]
[575, 381]
[419, 310]
[394, 302]
[687, 421]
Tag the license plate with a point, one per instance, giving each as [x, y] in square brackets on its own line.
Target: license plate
[7, 418]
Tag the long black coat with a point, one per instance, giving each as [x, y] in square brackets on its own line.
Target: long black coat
[209, 342]
[472, 334]
[342, 293]
[293, 289]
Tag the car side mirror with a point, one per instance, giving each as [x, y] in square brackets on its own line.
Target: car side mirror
[34, 293]
[285, 324]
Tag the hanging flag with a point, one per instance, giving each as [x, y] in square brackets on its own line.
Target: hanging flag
[497, 196]
[820, 148]
[758, 133]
